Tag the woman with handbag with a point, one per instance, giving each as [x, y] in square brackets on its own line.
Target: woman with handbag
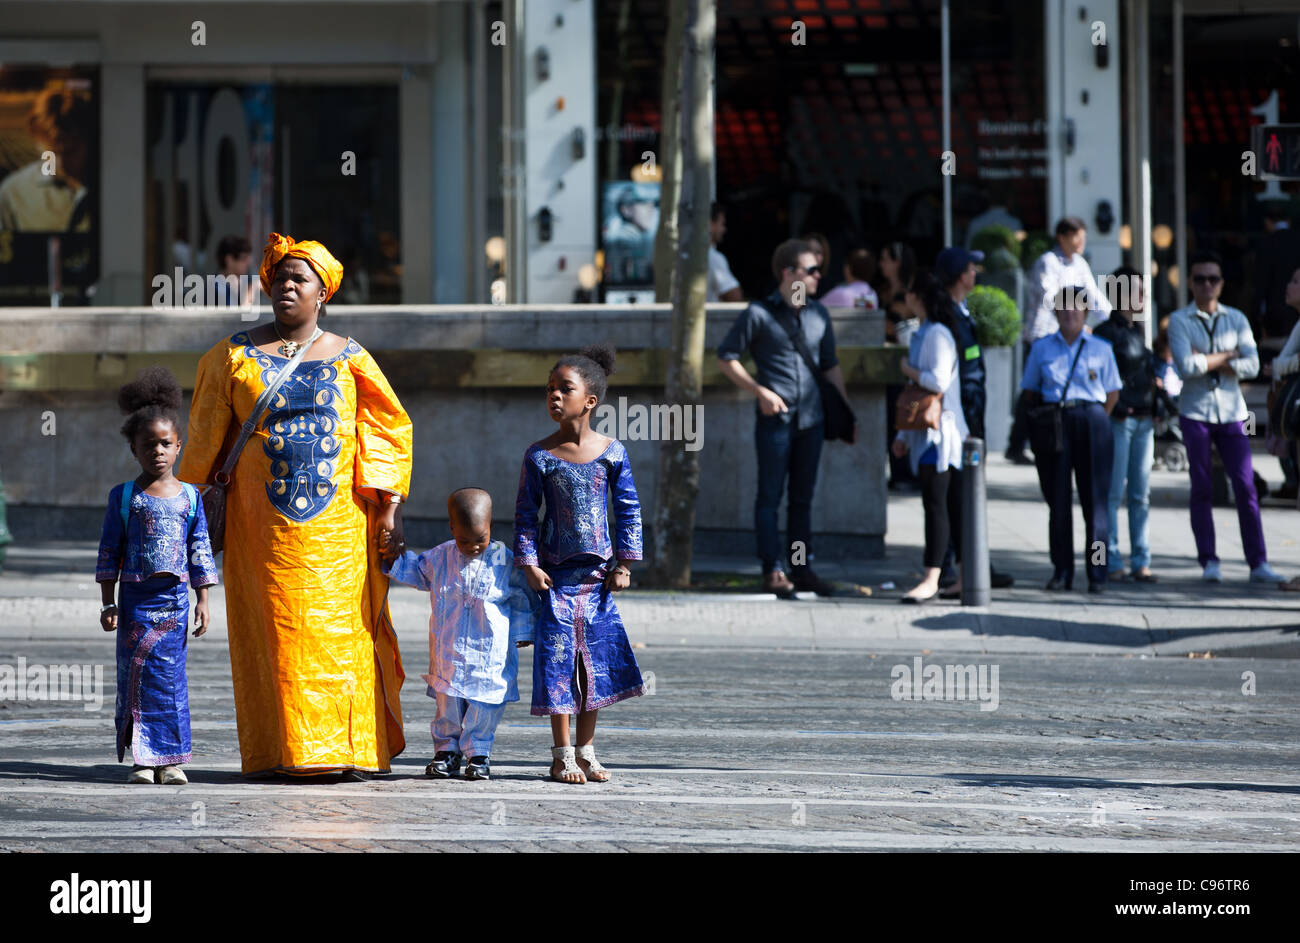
[1071, 385]
[301, 435]
[931, 426]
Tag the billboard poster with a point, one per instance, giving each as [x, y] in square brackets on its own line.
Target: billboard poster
[49, 185]
[629, 221]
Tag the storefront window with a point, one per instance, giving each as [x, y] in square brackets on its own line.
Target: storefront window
[314, 161]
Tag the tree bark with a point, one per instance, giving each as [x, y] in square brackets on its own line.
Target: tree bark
[678, 482]
[670, 152]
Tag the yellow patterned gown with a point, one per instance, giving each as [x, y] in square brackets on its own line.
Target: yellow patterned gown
[313, 654]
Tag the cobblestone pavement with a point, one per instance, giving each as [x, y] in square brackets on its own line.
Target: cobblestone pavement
[735, 749]
[772, 725]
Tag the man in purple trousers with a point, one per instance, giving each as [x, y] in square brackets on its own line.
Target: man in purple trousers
[1213, 350]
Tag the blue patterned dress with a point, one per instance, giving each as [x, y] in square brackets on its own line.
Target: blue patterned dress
[157, 558]
[578, 617]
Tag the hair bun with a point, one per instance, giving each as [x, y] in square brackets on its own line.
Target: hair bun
[603, 354]
[155, 386]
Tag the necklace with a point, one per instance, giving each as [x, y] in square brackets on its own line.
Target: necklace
[287, 348]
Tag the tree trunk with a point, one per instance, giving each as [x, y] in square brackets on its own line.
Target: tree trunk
[670, 152]
[678, 483]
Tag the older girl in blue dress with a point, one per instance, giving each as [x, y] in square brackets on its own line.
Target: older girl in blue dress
[583, 660]
[155, 540]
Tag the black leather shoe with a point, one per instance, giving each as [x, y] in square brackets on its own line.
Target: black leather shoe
[1000, 580]
[445, 765]
[1057, 584]
[354, 776]
[805, 580]
[479, 767]
[1096, 587]
[1018, 458]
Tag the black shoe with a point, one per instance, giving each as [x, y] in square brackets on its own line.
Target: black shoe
[805, 580]
[1000, 580]
[1096, 587]
[1058, 583]
[1018, 458]
[1286, 492]
[354, 776]
[445, 764]
[479, 767]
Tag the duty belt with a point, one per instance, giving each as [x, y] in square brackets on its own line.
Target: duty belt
[1076, 403]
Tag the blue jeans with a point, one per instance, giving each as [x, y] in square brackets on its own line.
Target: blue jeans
[463, 726]
[1134, 450]
[784, 451]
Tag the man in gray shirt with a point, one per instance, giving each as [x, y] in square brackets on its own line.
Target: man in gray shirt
[788, 431]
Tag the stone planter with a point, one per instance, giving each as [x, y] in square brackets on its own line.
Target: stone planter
[1000, 392]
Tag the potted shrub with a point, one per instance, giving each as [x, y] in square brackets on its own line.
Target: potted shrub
[997, 328]
[1000, 246]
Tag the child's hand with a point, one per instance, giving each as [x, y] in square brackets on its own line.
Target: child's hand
[108, 620]
[618, 579]
[390, 548]
[201, 618]
[899, 448]
[538, 579]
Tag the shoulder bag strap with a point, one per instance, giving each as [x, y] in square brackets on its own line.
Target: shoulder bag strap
[193, 496]
[223, 477]
[128, 492]
[796, 338]
[1083, 339]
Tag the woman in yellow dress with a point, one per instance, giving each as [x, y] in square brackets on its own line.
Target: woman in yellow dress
[313, 655]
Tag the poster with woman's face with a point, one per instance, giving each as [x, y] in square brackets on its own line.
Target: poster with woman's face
[49, 185]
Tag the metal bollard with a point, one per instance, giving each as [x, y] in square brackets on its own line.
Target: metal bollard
[975, 588]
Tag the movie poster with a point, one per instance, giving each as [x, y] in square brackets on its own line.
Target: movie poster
[49, 185]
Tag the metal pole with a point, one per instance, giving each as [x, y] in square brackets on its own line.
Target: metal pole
[1180, 160]
[947, 120]
[1142, 235]
[975, 585]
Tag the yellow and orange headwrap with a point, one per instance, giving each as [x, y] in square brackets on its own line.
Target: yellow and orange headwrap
[328, 268]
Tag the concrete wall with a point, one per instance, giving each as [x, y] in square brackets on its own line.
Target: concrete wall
[472, 425]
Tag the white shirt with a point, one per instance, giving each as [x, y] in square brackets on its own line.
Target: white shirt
[721, 280]
[1207, 395]
[934, 353]
[32, 201]
[1050, 274]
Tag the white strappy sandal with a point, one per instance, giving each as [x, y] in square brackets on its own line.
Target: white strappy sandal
[595, 772]
[565, 756]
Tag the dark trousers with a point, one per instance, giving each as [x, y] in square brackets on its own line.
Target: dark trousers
[785, 451]
[1089, 452]
[941, 500]
[1020, 426]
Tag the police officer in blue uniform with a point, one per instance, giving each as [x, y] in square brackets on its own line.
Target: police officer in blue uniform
[1073, 383]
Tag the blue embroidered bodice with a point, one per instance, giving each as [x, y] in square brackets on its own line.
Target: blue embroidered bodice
[576, 497]
[301, 425]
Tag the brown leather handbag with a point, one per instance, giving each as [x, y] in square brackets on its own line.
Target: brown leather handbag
[918, 408]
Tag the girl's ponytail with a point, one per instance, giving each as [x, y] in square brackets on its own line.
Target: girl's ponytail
[593, 364]
[154, 394]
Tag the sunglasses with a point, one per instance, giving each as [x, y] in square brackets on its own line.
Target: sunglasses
[814, 270]
[1207, 279]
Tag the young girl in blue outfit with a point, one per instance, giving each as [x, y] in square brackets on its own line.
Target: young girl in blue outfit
[583, 660]
[155, 540]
